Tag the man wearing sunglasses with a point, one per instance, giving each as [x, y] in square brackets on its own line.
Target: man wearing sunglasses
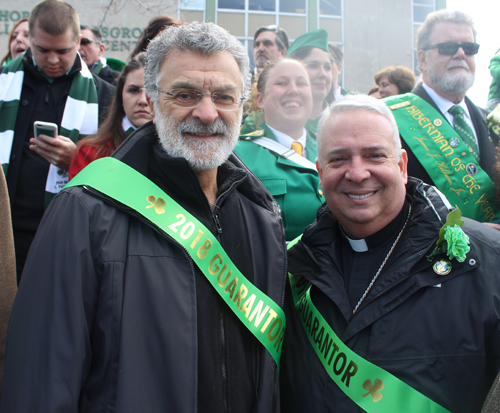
[91, 50]
[444, 133]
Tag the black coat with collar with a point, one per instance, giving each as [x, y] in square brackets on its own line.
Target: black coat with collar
[487, 143]
[113, 315]
[109, 75]
[439, 334]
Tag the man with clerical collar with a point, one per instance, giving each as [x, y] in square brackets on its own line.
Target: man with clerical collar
[444, 133]
[381, 313]
[48, 83]
[156, 280]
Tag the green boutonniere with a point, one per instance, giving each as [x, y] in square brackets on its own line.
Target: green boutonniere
[452, 240]
[493, 120]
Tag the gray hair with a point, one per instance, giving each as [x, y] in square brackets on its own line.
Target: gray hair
[359, 102]
[426, 31]
[203, 38]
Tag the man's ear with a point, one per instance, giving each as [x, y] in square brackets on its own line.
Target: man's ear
[152, 108]
[102, 48]
[422, 60]
[320, 172]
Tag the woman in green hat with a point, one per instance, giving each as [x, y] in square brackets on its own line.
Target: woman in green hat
[312, 49]
[276, 147]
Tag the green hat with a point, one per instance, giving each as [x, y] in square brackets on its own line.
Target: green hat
[315, 38]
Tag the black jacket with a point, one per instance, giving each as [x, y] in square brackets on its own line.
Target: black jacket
[487, 142]
[112, 315]
[109, 75]
[439, 334]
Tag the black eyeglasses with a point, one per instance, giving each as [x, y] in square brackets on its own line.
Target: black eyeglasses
[450, 48]
[84, 41]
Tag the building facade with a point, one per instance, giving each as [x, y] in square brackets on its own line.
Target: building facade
[373, 33]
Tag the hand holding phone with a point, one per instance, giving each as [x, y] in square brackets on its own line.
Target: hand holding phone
[45, 128]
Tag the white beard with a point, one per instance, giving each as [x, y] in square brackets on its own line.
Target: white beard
[453, 83]
[201, 154]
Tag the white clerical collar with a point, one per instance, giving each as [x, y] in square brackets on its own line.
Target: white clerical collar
[358, 245]
[287, 141]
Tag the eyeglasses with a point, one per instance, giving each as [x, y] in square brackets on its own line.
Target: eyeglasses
[189, 98]
[84, 41]
[450, 48]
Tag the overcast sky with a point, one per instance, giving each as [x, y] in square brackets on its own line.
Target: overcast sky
[486, 14]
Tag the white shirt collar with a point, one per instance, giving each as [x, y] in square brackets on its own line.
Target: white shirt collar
[287, 141]
[444, 104]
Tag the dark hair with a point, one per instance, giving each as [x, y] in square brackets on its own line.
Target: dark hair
[372, 90]
[401, 76]
[11, 33]
[95, 31]
[155, 26]
[336, 53]
[281, 36]
[55, 17]
[111, 129]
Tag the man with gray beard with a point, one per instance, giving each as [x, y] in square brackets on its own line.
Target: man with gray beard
[444, 133]
[156, 281]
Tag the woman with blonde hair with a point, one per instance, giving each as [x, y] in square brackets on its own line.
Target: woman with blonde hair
[19, 41]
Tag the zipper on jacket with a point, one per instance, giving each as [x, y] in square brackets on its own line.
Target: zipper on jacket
[217, 224]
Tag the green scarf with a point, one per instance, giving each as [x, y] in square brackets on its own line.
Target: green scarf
[79, 119]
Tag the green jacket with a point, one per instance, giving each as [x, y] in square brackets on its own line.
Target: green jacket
[295, 188]
[495, 74]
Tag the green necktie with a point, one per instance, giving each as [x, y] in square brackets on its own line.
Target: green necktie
[464, 130]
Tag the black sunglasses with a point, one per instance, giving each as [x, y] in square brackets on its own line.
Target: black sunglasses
[450, 48]
[84, 41]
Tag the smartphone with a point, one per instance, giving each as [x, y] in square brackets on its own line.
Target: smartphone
[45, 128]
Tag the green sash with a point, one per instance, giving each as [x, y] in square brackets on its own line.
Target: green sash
[445, 157]
[259, 313]
[350, 372]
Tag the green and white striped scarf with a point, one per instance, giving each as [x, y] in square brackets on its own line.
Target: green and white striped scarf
[80, 116]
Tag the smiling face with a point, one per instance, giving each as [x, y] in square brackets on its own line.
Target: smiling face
[319, 67]
[265, 48]
[286, 99]
[135, 104]
[204, 135]
[20, 40]
[363, 181]
[54, 55]
[449, 76]
[386, 88]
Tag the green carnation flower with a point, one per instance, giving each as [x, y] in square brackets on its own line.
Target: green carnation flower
[457, 243]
